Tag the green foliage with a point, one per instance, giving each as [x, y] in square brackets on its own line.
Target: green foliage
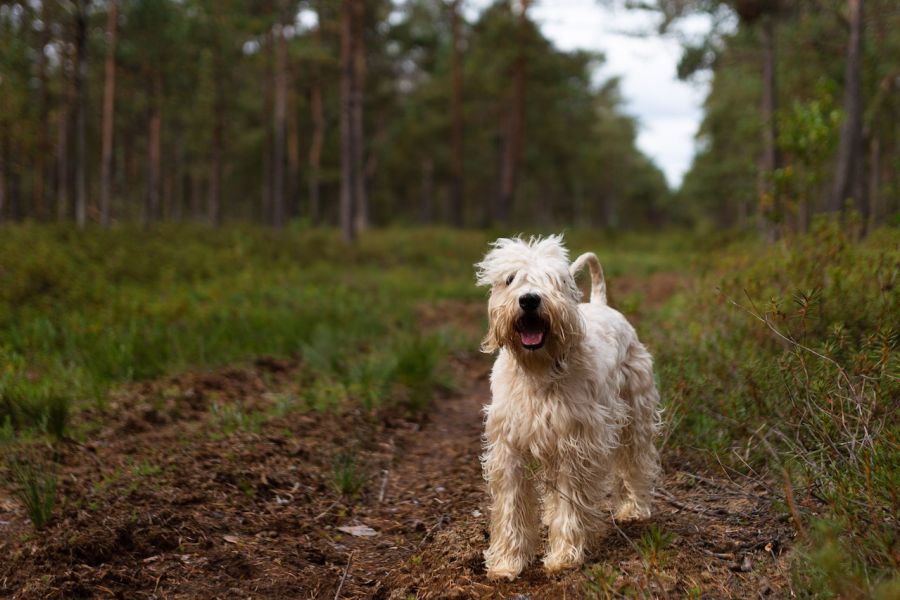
[655, 546]
[233, 417]
[81, 313]
[793, 367]
[36, 488]
[348, 475]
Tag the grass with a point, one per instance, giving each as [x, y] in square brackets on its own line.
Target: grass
[36, 490]
[782, 364]
[348, 475]
[777, 362]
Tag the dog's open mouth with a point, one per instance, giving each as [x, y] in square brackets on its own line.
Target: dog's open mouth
[532, 331]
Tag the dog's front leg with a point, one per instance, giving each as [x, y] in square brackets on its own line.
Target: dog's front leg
[565, 520]
[515, 528]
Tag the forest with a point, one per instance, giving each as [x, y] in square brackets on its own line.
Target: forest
[240, 327]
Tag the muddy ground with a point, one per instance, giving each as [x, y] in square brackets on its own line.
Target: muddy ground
[165, 501]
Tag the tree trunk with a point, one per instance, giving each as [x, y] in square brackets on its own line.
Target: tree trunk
[318, 133]
[268, 120]
[214, 195]
[348, 174]
[361, 198]
[81, 113]
[64, 192]
[512, 149]
[40, 164]
[154, 153]
[770, 212]
[293, 152]
[279, 127]
[109, 94]
[458, 186]
[848, 179]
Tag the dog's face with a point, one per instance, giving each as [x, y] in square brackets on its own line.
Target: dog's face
[533, 304]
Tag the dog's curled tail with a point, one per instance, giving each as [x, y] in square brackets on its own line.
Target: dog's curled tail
[598, 281]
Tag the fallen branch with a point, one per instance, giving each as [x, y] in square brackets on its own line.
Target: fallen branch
[337, 594]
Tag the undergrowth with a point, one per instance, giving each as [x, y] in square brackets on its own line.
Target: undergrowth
[782, 364]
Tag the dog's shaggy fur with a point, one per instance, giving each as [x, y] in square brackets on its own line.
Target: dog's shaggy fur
[574, 409]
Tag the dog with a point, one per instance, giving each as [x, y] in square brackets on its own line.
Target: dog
[574, 409]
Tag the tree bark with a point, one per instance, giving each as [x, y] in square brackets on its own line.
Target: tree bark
[268, 121]
[109, 95]
[458, 186]
[771, 159]
[318, 132]
[515, 127]
[361, 199]
[154, 152]
[293, 151]
[348, 173]
[279, 127]
[848, 179]
[81, 113]
[40, 164]
[214, 192]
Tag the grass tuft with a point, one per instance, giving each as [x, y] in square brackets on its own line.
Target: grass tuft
[36, 488]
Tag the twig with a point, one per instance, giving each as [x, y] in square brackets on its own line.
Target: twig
[337, 594]
[326, 511]
[384, 480]
[678, 504]
[789, 498]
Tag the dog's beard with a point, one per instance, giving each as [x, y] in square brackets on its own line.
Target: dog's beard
[534, 337]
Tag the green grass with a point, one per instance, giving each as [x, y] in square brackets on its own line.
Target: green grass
[778, 361]
[782, 361]
[348, 475]
[36, 489]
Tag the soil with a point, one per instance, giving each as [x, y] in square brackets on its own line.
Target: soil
[164, 502]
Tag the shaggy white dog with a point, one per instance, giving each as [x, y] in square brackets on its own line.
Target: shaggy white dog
[574, 409]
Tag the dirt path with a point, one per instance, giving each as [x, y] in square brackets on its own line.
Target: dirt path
[162, 503]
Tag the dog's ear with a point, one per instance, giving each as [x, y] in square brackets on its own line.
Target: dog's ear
[492, 341]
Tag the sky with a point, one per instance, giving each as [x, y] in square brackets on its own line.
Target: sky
[668, 111]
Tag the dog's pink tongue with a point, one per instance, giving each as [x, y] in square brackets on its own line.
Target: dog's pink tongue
[530, 338]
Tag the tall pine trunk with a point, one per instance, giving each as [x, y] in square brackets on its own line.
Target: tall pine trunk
[849, 177]
[279, 127]
[268, 120]
[81, 113]
[318, 133]
[770, 204]
[214, 193]
[348, 173]
[43, 102]
[154, 151]
[361, 199]
[458, 185]
[514, 139]
[109, 95]
[293, 151]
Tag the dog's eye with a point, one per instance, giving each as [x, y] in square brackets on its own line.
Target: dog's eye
[509, 279]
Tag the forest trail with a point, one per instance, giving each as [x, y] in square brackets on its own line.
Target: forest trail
[159, 505]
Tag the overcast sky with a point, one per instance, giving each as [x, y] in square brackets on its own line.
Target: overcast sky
[668, 110]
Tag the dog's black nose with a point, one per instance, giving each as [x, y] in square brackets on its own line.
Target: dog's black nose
[529, 301]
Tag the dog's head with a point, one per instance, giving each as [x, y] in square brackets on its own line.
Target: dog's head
[533, 308]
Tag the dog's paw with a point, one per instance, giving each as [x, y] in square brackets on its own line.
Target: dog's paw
[632, 511]
[560, 561]
[504, 565]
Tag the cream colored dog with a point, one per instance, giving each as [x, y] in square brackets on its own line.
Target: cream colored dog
[574, 408]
